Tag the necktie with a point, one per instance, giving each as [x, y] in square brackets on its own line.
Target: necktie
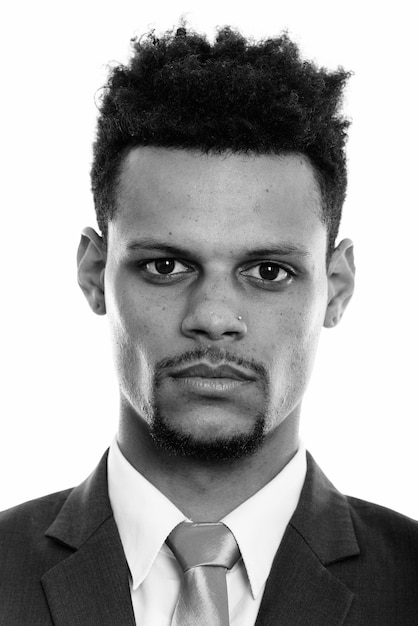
[205, 552]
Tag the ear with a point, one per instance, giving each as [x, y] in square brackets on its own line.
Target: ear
[91, 262]
[340, 273]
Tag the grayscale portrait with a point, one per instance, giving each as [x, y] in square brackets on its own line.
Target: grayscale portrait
[227, 430]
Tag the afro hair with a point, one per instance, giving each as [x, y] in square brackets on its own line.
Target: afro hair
[234, 95]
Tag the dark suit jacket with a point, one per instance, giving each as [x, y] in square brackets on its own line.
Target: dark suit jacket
[341, 561]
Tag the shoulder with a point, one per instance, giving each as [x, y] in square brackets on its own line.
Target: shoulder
[32, 516]
[387, 541]
[388, 558]
[384, 575]
[329, 516]
[382, 526]
[23, 528]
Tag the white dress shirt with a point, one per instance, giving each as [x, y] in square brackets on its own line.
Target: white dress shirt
[145, 517]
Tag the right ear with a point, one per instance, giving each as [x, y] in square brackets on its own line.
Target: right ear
[91, 263]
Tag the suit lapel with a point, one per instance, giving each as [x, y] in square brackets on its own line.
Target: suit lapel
[301, 589]
[91, 586]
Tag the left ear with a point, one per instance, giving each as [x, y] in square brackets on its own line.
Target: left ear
[340, 273]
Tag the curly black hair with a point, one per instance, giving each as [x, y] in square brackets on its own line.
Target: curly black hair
[234, 95]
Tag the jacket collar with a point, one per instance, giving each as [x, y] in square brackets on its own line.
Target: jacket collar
[301, 589]
[86, 508]
[91, 586]
[323, 518]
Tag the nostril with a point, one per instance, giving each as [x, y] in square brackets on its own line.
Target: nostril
[213, 325]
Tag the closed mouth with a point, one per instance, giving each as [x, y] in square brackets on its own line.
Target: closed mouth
[203, 370]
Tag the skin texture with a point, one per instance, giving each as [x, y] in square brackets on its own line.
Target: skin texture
[214, 259]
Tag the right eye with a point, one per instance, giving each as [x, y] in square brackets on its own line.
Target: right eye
[164, 268]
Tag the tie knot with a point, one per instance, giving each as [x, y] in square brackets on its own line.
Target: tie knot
[203, 544]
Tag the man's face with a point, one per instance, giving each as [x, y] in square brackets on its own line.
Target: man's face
[216, 291]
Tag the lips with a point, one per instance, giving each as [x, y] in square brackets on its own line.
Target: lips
[202, 370]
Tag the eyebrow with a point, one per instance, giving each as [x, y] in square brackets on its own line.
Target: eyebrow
[268, 249]
[282, 249]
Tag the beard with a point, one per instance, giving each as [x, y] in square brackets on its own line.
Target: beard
[221, 449]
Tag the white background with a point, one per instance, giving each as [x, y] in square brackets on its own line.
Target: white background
[59, 395]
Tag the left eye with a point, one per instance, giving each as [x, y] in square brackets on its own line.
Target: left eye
[164, 267]
[268, 271]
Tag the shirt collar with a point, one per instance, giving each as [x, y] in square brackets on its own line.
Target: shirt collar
[145, 517]
[259, 523]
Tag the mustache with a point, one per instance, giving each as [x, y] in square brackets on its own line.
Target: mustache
[214, 356]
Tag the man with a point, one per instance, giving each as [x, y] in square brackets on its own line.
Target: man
[218, 176]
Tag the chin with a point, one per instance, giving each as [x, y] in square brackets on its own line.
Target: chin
[209, 444]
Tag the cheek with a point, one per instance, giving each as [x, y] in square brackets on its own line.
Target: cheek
[294, 355]
[291, 367]
[128, 324]
[133, 339]
[294, 325]
[293, 340]
[140, 327]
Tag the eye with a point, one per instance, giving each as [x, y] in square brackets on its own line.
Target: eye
[165, 267]
[269, 271]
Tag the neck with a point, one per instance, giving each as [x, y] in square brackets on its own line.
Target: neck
[206, 491]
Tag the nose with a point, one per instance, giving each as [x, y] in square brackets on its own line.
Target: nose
[214, 314]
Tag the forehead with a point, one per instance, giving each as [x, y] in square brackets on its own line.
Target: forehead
[227, 200]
